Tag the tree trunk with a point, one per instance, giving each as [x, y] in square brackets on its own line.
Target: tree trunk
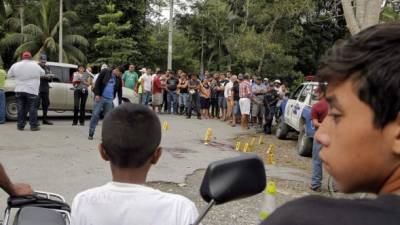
[21, 16]
[366, 14]
[350, 17]
[372, 14]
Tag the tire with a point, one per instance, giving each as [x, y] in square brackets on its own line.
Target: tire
[11, 108]
[304, 143]
[282, 130]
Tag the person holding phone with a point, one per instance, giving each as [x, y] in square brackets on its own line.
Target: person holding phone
[81, 82]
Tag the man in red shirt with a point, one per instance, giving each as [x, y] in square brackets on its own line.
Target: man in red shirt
[157, 95]
[318, 114]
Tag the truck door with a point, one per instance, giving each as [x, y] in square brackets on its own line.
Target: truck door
[291, 104]
[303, 101]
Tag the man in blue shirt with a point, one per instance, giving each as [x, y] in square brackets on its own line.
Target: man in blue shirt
[108, 85]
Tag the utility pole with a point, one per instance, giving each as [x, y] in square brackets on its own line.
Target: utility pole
[60, 34]
[170, 32]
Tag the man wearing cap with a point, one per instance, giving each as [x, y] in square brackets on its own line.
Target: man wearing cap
[44, 89]
[27, 75]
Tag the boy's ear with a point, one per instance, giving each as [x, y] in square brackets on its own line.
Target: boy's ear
[396, 144]
[156, 156]
[103, 152]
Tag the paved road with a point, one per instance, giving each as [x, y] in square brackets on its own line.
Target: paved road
[61, 159]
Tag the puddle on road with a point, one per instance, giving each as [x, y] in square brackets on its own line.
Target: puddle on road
[218, 145]
[178, 152]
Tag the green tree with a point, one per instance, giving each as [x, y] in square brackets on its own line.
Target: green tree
[113, 47]
[41, 36]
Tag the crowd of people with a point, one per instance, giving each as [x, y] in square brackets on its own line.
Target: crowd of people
[236, 99]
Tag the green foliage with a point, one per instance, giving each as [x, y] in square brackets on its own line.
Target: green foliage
[40, 36]
[113, 47]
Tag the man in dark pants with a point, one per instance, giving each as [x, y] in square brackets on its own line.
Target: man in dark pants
[270, 100]
[44, 88]
[108, 86]
[193, 101]
[27, 75]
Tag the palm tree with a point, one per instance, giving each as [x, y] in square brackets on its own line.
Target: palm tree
[41, 36]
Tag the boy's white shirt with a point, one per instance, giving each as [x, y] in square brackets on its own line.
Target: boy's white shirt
[131, 204]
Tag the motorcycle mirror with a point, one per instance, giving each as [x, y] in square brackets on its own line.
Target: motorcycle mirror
[232, 179]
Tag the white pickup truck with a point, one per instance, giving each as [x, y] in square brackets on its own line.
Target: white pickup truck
[296, 115]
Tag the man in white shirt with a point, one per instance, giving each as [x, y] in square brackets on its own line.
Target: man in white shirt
[227, 94]
[131, 136]
[147, 81]
[27, 78]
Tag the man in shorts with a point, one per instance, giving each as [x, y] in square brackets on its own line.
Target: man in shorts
[245, 95]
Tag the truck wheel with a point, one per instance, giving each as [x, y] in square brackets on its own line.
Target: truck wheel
[304, 143]
[282, 130]
[11, 108]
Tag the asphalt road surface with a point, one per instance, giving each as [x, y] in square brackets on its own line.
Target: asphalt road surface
[62, 160]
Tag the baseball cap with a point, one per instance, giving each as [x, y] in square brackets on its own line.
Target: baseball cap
[266, 79]
[104, 66]
[277, 81]
[26, 55]
[240, 76]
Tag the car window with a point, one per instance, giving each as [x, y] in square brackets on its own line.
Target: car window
[314, 95]
[306, 91]
[58, 73]
[296, 93]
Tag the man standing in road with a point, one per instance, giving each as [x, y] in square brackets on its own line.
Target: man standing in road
[245, 101]
[131, 78]
[44, 89]
[157, 95]
[193, 102]
[222, 104]
[27, 75]
[228, 97]
[146, 81]
[2, 96]
[108, 86]
[318, 113]
[172, 95]
[270, 100]
[258, 89]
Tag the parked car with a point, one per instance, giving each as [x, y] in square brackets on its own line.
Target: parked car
[296, 115]
[61, 91]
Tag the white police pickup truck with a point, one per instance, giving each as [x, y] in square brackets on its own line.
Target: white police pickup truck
[296, 115]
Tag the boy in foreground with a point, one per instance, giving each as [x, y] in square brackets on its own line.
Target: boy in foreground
[360, 137]
[131, 136]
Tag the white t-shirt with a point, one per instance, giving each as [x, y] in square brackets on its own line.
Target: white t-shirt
[147, 82]
[131, 204]
[27, 76]
[228, 88]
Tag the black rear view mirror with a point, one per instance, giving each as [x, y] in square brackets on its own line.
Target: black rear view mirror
[231, 179]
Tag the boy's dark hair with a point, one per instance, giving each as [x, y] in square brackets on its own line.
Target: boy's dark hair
[130, 135]
[371, 59]
[246, 77]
